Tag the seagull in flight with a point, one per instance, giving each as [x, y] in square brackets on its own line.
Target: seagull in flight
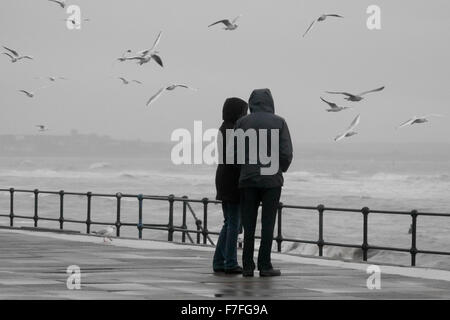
[61, 3]
[418, 120]
[146, 55]
[356, 97]
[42, 127]
[14, 55]
[31, 94]
[333, 106]
[107, 233]
[52, 78]
[229, 25]
[125, 81]
[164, 89]
[320, 19]
[350, 131]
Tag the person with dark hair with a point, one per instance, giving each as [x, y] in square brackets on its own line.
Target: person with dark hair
[257, 184]
[227, 180]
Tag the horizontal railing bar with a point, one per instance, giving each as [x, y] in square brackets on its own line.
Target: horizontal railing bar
[389, 248]
[300, 241]
[344, 245]
[445, 253]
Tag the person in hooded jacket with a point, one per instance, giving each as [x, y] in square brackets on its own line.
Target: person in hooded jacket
[259, 187]
[227, 180]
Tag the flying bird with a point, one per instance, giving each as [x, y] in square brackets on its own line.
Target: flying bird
[350, 131]
[164, 89]
[125, 81]
[42, 127]
[356, 97]
[74, 22]
[229, 25]
[61, 3]
[29, 94]
[418, 120]
[145, 56]
[52, 78]
[320, 19]
[15, 56]
[333, 106]
[107, 233]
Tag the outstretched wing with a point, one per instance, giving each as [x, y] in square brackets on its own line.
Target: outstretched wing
[236, 19]
[331, 104]
[137, 81]
[123, 80]
[12, 58]
[225, 22]
[309, 28]
[158, 59]
[156, 96]
[407, 123]
[374, 90]
[61, 3]
[354, 123]
[344, 93]
[334, 15]
[340, 137]
[24, 91]
[14, 52]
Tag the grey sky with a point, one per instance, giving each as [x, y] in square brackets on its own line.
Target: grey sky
[409, 56]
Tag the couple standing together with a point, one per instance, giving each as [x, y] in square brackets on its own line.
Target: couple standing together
[242, 187]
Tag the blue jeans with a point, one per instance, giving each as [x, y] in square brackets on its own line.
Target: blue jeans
[225, 256]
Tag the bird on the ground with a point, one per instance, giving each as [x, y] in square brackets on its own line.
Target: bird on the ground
[15, 56]
[42, 127]
[106, 233]
[418, 120]
[145, 56]
[356, 97]
[167, 88]
[320, 19]
[61, 3]
[350, 131]
[229, 25]
[333, 106]
[125, 81]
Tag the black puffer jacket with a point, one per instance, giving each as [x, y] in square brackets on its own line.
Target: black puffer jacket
[262, 117]
[227, 175]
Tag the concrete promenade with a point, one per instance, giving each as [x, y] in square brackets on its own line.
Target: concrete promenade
[33, 266]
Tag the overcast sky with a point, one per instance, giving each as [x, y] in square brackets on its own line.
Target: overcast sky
[409, 55]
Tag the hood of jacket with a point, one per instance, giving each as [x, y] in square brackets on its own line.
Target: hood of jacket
[233, 109]
[261, 100]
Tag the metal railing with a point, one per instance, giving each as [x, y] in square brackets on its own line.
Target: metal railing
[203, 234]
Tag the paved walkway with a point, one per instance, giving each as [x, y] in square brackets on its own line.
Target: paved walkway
[33, 266]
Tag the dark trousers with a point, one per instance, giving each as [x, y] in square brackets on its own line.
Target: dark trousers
[225, 256]
[250, 200]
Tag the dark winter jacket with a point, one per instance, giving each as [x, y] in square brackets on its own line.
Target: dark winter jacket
[262, 117]
[227, 175]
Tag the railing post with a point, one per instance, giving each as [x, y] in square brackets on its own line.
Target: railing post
[205, 219]
[413, 249]
[36, 205]
[118, 223]
[61, 209]
[279, 238]
[198, 223]
[88, 218]
[170, 225]
[140, 226]
[183, 225]
[11, 207]
[320, 242]
[365, 246]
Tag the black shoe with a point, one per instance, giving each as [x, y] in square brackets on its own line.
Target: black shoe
[270, 273]
[247, 273]
[235, 270]
[217, 270]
